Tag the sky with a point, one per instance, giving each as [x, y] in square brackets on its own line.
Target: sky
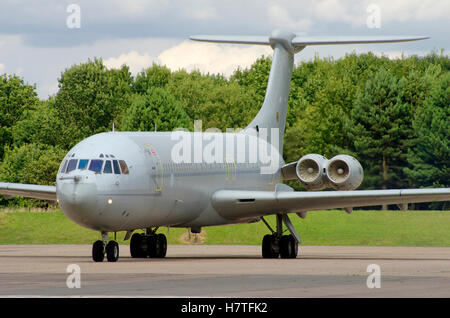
[40, 39]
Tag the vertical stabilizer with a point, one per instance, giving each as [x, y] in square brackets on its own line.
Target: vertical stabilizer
[272, 115]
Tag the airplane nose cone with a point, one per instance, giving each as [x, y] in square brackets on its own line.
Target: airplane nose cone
[78, 201]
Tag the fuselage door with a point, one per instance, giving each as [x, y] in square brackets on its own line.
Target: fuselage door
[156, 168]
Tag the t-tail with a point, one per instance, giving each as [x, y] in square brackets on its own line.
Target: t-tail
[272, 115]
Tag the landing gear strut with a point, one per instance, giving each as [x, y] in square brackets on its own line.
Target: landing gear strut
[101, 247]
[149, 244]
[278, 245]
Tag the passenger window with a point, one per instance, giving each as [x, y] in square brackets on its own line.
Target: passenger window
[72, 165]
[116, 167]
[107, 168]
[64, 166]
[83, 164]
[96, 165]
[123, 166]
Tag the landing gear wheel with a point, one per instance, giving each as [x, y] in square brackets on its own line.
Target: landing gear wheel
[153, 246]
[98, 251]
[136, 243]
[288, 247]
[112, 251]
[270, 247]
[162, 242]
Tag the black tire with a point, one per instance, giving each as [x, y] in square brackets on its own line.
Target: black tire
[112, 251]
[98, 251]
[288, 247]
[294, 250]
[136, 246]
[269, 249]
[153, 246]
[162, 242]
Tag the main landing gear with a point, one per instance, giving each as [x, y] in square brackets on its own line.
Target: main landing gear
[278, 245]
[102, 247]
[149, 244]
[143, 245]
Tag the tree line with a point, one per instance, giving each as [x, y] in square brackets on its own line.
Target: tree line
[392, 115]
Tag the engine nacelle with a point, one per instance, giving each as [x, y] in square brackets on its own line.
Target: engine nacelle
[315, 172]
[344, 172]
[311, 172]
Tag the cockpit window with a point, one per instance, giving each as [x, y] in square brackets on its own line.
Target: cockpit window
[83, 164]
[96, 165]
[123, 166]
[108, 167]
[64, 166]
[116, 167]
[72, 165]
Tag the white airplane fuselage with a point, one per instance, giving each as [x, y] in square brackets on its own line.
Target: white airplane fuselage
[156, 191]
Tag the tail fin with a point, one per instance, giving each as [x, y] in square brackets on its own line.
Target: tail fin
[285, 44]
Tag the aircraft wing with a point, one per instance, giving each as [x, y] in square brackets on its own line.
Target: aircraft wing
[235, 204]
[28, 190]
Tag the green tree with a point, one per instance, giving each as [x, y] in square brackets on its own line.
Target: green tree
[429, 153]
[91, 97]
[154, 76]
[218, 103]
[256, 76]
[42, 125]
[15, 98]
[157, 107]
[378, 125]
[30, 163]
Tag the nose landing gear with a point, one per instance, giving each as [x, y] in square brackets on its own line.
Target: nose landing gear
[100, 248]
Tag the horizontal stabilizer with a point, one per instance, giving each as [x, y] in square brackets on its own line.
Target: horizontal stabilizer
[300, 41]
[331, 40]
[232, 39]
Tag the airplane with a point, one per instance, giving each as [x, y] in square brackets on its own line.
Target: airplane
[128, 181]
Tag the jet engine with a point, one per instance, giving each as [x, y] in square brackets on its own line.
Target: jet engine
[344, 172]
[311, 172]
[315, 172]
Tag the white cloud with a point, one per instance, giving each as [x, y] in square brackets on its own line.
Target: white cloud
[207, 58]
[350, 12]
[134, 9]
[211, 58]
[135, 61]
[413, 10]
[292, 15]
[279, 17]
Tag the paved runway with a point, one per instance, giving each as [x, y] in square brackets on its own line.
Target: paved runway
[227, 271]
